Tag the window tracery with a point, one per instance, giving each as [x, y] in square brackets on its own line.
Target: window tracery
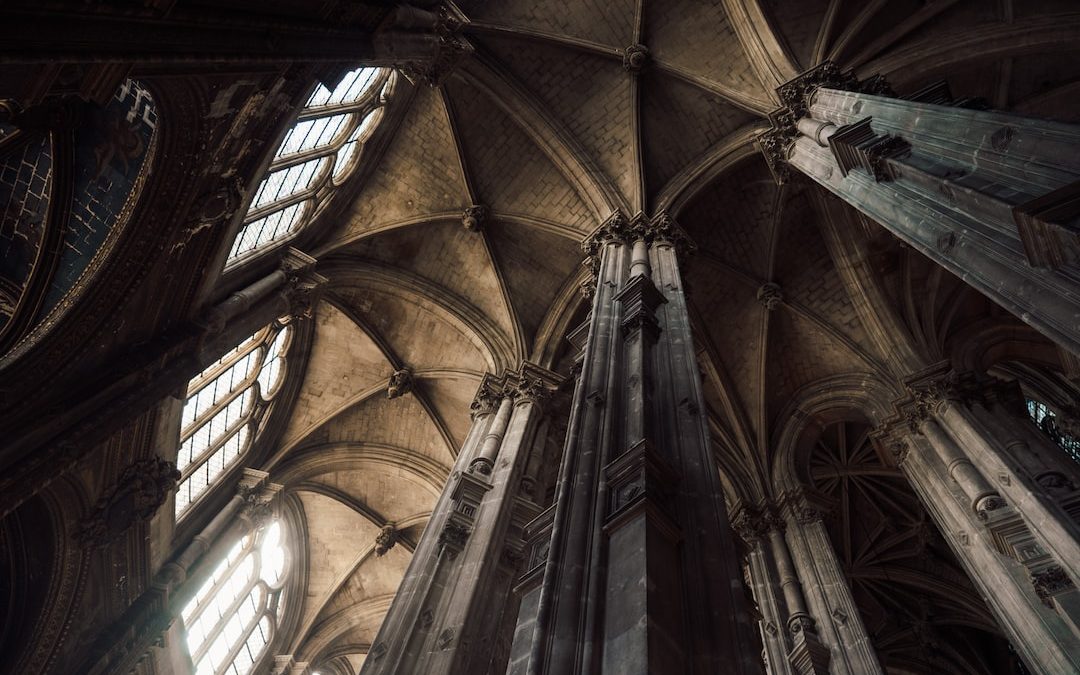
[224, 404]
[316, 155]
[1046, 419]
[234, 615]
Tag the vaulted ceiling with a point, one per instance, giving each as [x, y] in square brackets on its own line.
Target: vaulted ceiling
[544, 127]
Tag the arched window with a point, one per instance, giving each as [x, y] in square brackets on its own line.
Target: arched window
[1046, 419]
[224, 405]
[49, 249]
[233, 617]
[316, 155]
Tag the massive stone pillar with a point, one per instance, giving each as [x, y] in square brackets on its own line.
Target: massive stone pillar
[992, 543]
[639, 573]
[1005, 497]
[448, 611]
[811, 626]
[990, 196]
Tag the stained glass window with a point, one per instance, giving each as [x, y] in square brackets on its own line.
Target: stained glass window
[316, 154]
[233, 616]
[223, 403]
[1046, 419]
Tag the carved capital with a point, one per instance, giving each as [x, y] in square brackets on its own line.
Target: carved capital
[400, 383]
[259, 496]
[795, 93]
[754, 523]
[448, 47]
[487, 396]
[135, 497]
[303, 284]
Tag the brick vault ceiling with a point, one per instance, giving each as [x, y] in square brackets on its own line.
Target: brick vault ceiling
[544, 127]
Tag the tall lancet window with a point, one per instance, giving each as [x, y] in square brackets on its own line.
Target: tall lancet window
[224, 406]
[234, 616]
[320, 150]
[1047, 420]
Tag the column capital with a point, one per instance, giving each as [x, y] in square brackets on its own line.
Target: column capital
[303, 285]
[531, 383]
[795, 96]
[259, 495]
[136, 495]
[488, 395]
[448, 45]
[658, 230]
[752, 523]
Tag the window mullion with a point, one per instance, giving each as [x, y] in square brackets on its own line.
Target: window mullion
[219, 623]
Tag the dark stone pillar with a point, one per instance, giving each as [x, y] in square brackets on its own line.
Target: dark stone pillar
[990, 196]
[448, 611]
[640, 573]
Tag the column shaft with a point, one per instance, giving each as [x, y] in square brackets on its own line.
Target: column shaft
[641, 575]
[446, 615]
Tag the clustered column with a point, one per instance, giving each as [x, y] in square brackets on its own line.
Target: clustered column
[634, 569]
[988, 195]
[448, 613]
[1006, 498]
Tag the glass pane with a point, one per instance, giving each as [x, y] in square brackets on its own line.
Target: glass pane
[269, 228]
[281, 184]
[312, 133]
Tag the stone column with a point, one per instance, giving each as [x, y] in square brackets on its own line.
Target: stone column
[801, 649]
[446, 616]
[990, 196]
[640, 572]
[838, 623]
[1047, 641]
[980, 433]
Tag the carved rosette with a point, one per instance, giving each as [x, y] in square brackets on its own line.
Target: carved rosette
[770, 295]
[400, 383]
[473, 218]
[635, 57]
[385, 540]
[1051, 582]
[136, 496]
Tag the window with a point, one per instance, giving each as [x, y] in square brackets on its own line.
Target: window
[317, 154]
[1046, 420]
[224, 404]
[232, 618]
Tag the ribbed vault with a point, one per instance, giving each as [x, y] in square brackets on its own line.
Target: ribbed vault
[547, 130]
